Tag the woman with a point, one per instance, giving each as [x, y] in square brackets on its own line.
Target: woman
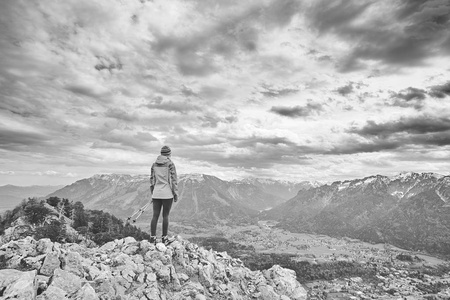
[164, 188]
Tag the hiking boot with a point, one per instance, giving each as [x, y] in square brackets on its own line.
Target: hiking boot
[167, 240]
[153, 240]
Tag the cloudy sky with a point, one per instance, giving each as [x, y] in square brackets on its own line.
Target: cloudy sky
[288, 89]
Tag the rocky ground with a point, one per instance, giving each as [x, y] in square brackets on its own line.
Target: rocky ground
[367, 271]
[133, 270]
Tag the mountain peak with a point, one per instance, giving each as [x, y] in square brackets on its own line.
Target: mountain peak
[195, 177]
[403, 176]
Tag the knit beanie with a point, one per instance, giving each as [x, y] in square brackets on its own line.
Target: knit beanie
[165, 150]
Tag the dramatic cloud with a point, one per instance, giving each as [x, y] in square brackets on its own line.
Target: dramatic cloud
[416, 125]
[411, 94]
[411, 97]
[272, 92]
[345, 90]
[404, 33]
[21, 140]
[297, 111]
[268, 88]
[440, 91]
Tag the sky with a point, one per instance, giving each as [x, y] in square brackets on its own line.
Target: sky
[319, 90]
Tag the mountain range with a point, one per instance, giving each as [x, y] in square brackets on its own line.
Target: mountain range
[202, 198]
[410, 210]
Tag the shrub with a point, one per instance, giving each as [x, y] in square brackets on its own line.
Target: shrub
[55, 231]
[35, 212]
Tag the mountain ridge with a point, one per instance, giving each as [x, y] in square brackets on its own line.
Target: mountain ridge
[408, 210]
[203, 198]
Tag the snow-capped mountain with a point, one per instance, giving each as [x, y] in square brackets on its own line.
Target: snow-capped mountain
[410, 210]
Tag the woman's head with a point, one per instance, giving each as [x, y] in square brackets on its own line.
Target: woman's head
[165, 150]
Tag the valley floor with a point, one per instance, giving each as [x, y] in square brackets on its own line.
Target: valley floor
[331, 268]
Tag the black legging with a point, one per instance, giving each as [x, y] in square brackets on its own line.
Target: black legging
[166, 205]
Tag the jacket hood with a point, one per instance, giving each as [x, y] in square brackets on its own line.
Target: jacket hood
[161, 160]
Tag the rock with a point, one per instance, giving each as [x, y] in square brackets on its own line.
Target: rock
[285, 282]
[266, 292]
[86, 292]
[92, 272]
[128, 240]
[34, 262]
[8, 276]
[68, 282]
[126, 269]
[41, 282]
[50, 264]
[52, 293]
[151, 277]
[161, 247]
[72, 263]
[163, 274]
[200, 297]
[131, 248]
[205, 274]
[19, 285]
[108, 247]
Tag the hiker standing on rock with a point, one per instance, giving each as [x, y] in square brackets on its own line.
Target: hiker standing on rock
[164, 188]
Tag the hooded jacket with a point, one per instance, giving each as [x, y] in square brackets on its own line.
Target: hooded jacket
[163, 179]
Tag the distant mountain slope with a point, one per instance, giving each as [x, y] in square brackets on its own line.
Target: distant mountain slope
[203, 198]
[409, 210]
[206, 199]
[262, 194]
[12, 195]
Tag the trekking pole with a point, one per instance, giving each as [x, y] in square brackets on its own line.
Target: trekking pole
[139, 212]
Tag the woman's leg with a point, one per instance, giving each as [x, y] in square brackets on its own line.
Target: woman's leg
[167, 205]
[157, 204]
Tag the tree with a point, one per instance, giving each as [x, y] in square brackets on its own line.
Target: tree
[36, 212]
[80, 218]
[102, 223]
[53, 201]
[55, 231]
[66, 207]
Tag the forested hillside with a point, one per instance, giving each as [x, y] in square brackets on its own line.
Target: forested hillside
[61, 220]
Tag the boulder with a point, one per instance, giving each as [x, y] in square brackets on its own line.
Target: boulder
[66, 281]
[18, 285]
[53, 293]
[71, 262]
[50, 264]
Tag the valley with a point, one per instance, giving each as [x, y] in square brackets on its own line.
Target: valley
[331, 268]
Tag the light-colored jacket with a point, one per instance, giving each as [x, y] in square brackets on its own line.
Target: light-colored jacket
[163, 179]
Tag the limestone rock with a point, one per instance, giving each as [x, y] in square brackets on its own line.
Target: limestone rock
[50, 264]
[72, 263]
[127, 269]
[68, 282]
[22, 287]
[53, 293]
[86, 292]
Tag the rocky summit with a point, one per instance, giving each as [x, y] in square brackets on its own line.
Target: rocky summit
[130, 269]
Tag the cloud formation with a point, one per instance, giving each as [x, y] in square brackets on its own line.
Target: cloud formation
[297, 111]
[235, 88]
[399, 34]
